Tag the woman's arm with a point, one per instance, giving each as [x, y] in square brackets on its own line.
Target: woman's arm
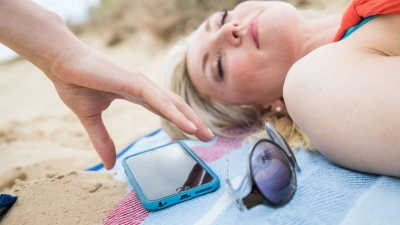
[86, 80]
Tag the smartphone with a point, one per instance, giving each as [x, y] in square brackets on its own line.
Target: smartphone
[168, 175]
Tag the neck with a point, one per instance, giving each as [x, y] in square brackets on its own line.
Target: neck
[316, 33]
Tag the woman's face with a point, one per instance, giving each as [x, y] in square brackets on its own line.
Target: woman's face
[243, 56]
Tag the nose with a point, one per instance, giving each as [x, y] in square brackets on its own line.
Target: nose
[231, 32]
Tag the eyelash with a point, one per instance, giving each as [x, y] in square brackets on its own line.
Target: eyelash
[220, 70]
[224, 14]
[219, 64]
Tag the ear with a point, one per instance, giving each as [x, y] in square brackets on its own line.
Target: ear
[275, 106]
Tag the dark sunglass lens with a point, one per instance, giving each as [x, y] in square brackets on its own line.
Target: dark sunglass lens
[272, 172]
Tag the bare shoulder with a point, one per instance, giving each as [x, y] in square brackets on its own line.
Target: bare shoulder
[344, 96]
[368, 58]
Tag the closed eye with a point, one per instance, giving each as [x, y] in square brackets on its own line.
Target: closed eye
[223, 16]
[220, 70]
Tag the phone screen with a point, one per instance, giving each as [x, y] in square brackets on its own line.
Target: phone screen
[166, 171]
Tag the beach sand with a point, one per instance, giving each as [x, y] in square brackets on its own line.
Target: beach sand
[72, 198]
[40, 136]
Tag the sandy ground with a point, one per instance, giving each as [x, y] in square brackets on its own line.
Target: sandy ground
[80, 198]
[40, 136]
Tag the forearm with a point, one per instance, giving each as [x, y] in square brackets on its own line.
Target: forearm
[33, 32]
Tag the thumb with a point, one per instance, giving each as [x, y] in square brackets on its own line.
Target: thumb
[100, 138]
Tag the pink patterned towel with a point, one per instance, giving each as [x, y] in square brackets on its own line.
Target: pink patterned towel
[326, 194]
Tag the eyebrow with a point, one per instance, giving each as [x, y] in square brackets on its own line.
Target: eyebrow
[205, 57]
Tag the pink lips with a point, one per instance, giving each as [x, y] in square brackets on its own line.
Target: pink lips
[253, 31]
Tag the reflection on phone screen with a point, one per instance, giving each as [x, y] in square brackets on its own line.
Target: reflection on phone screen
[166, 171]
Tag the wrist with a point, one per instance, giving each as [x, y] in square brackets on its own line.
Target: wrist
[33, 32]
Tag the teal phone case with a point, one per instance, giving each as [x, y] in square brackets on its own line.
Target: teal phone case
[178, 197]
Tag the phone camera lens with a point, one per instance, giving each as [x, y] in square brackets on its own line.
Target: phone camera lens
[180, 189]
[161, 204]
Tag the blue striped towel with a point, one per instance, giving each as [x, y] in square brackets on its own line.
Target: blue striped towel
[326, 193]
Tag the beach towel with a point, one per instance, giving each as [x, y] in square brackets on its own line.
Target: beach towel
[326, 193]
[6, 201]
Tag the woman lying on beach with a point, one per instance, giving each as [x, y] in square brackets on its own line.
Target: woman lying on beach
[262, 61]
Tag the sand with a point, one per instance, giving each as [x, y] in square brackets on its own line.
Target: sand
[40, 136]
[72, 198]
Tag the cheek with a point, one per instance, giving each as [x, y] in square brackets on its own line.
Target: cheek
[245, 76]
[246, 70]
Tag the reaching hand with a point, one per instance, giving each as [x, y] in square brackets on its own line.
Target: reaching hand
[88, 82]
[85, 79]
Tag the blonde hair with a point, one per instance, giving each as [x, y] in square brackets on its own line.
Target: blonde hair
[220, 117]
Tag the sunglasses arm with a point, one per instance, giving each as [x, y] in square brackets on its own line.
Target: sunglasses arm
[236, 194]
[253, 199]
[297, 167]
[244, 184]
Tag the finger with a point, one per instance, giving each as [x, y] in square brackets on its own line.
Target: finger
[177, 111]
[203, 133]
[100, 138]
[157, 100]
[153, 110]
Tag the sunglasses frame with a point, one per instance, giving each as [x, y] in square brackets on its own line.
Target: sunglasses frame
[255, 197]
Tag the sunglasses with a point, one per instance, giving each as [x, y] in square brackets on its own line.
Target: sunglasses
[271, 176]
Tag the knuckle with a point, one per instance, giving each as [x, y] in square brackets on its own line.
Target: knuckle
[179, 102]
[104, 140]
[165, 100]
[174, 118]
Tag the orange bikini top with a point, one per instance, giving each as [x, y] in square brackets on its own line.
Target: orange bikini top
[358, 10]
